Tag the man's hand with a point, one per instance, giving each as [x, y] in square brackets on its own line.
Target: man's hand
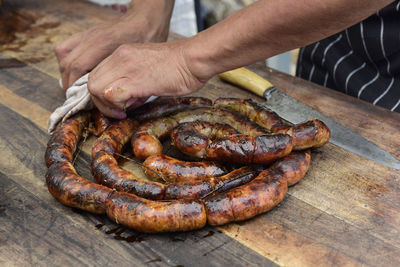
[146, 21]
[135, 72]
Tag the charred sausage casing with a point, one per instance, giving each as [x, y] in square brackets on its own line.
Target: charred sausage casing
[222, 143]
[193, 138]
[243, 202]
[164, 106]
[308, 134]
[75, 191]
[171, 170]
[146, 141]
[294, 166]
[154, 217]
[65, 139]
[100, 122]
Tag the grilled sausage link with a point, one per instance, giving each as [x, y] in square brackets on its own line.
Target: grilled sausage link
[164, 106]
[246, 149]
[100, 122]
[220, 143]
[164, 168]
[75, 191]
[65, 138]
[62, 180]
[153, 216]
[146, 141]
[199, 188]
[244, 202]
[105, 169]
[312, 133]
[294, 166]
[193, 138]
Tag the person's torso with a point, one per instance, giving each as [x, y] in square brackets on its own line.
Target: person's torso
[362, 61]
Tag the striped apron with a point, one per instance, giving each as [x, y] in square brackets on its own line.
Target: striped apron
[362, 61]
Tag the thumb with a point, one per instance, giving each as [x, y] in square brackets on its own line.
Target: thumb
[134, 103]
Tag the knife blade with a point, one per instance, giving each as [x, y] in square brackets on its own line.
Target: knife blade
[295, 111]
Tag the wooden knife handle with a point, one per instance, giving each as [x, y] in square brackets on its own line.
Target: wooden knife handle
[247, 80]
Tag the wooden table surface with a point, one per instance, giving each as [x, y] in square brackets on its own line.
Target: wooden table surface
[345, 212]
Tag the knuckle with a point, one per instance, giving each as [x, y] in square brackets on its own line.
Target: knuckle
[64, 65]
[123, 51]
[91, 85]
[77, 68]
[60, 50]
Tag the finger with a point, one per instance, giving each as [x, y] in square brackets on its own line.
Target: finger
[96, 89]
[134, 103]
[66, 67]
[63, 48]
[81, 60]
[73, 67]
[131, 103]
[78, 69]
[103, 75]
[123, 89]
[108, 111]
[64, 57]
[102, 90]
[85, 61]
[65, 76]
[117, 91]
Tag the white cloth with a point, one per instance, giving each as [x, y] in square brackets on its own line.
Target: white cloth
[77, 99]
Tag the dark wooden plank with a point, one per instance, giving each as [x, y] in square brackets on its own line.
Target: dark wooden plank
[324, 228]
[33, 85]
[31, 29]
[48, 229]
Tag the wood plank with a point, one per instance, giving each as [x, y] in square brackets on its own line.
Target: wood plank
[38, 26]
[26, 108]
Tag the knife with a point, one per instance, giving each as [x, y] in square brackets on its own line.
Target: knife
[294, 111]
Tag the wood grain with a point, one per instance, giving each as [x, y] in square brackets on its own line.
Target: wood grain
[345, 212]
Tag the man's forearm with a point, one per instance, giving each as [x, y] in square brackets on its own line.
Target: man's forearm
[270, 27]
[151, 15]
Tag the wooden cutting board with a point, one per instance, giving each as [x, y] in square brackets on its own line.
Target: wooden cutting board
[346, 211]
